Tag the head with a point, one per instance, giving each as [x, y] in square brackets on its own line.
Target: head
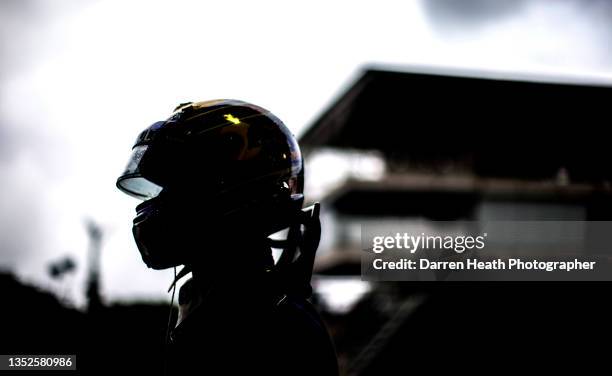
[215, 177]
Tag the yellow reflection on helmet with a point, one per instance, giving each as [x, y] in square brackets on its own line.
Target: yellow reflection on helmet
[231, 118]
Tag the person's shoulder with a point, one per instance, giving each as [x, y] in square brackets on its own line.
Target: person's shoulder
[305, 336]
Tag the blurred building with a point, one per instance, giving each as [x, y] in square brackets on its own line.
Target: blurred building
[462, 147]
[420, 147]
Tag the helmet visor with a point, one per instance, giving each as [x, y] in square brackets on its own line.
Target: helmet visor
[132, 182]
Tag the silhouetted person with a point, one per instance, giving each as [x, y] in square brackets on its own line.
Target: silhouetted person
[217, 179]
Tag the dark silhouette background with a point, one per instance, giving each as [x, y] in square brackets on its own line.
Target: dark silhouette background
[117, 338]
[452, 327]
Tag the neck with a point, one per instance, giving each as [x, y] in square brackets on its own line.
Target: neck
[235, 263]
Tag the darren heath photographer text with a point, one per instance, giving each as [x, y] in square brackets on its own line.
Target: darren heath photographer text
[458, 244]
[475, 264]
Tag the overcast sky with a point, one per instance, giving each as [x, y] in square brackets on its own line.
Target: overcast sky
[77, 84]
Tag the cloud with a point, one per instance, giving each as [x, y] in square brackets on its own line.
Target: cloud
[450, 16]
[567, 35]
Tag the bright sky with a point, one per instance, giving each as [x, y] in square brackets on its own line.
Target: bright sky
[79, 83]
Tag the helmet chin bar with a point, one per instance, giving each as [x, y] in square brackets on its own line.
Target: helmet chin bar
[293, 271]
[294, 267]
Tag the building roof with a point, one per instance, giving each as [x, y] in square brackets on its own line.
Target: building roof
[496, 126]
